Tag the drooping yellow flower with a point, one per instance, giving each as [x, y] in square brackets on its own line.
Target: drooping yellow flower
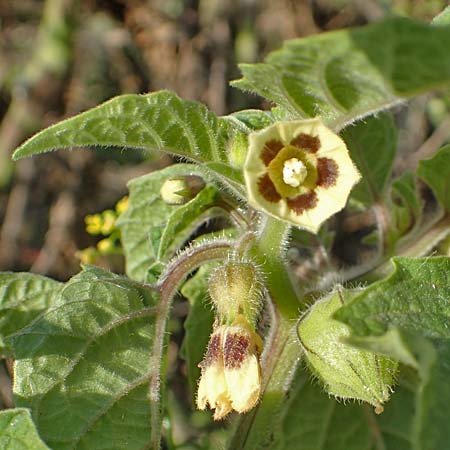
[231, 376]
[299, 171]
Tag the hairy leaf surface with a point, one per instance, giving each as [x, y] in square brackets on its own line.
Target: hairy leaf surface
[23, 297]
[84, 367]
[372, 143]
[158, 121]
[416, 297]
[435, 172]
[151, 229]
[17, 431]
[343, 75]
[314, 421]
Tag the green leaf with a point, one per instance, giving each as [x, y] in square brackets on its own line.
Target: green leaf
[416, 298]
[23, 297]
[343, 75]
[17, 431]
[84, 367]
[253, 119]
[405, 207]
[186, 219]
[151, 229]
[443, 18]
[435, 172]
[313, 421]
[429, 425]
[372, 144]
[198, 324]
[158, 121]
[431, 429]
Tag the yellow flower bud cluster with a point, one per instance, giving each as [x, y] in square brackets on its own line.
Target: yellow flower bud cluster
[231, 374]
[103, 223]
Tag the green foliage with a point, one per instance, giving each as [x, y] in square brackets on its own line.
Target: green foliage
[312, 420]
[405, 206]
[85, 365]
[17, 431]
[372, 144]
[434, 172]
[414, 300]
[416, 297]
[343, 75]
[151, 229]
[92, 354]
[346, 372]
[158, 121]
[23, 297]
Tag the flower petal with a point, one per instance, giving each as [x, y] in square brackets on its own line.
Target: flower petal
[244, 384]
[310, 204]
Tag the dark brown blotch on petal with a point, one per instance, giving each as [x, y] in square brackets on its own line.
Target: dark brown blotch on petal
[327, 172]
[302, 202]
[267, 189]
[270, 150]
[306, 142]
[214, 351]
[235, 350]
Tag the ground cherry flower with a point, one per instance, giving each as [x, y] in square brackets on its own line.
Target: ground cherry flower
[231, 375]
[299, 171]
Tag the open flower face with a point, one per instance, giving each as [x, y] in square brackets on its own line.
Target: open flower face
[299, 171]
[230, 378]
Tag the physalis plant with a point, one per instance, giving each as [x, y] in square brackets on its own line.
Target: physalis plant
[279, 295]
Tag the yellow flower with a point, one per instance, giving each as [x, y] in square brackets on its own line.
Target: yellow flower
[122, 205]
[93, 223]
[108, 221]
[299, 171]
[105, 246]
[231, 377]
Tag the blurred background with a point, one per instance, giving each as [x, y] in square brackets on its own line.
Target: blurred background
[60, 57]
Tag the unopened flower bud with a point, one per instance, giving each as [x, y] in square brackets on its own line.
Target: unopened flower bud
[108, 221]
[105, 246]
[346, 371]
[122, 205]
[179, 190]
[235, 288]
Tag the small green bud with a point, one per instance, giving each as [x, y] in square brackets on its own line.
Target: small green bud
[179, 190]
[235, 288]
[238, 150]
[346, 371]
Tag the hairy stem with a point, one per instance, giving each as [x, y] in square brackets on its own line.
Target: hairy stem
[281, 353]
[175, 274]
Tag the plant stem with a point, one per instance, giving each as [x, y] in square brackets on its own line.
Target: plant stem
[282, 352]
[270, 253]
[175, 274]
[254, 430]
[420, 247]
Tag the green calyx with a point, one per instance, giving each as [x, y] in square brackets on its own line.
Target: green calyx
[346, 371]
[235, 289]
